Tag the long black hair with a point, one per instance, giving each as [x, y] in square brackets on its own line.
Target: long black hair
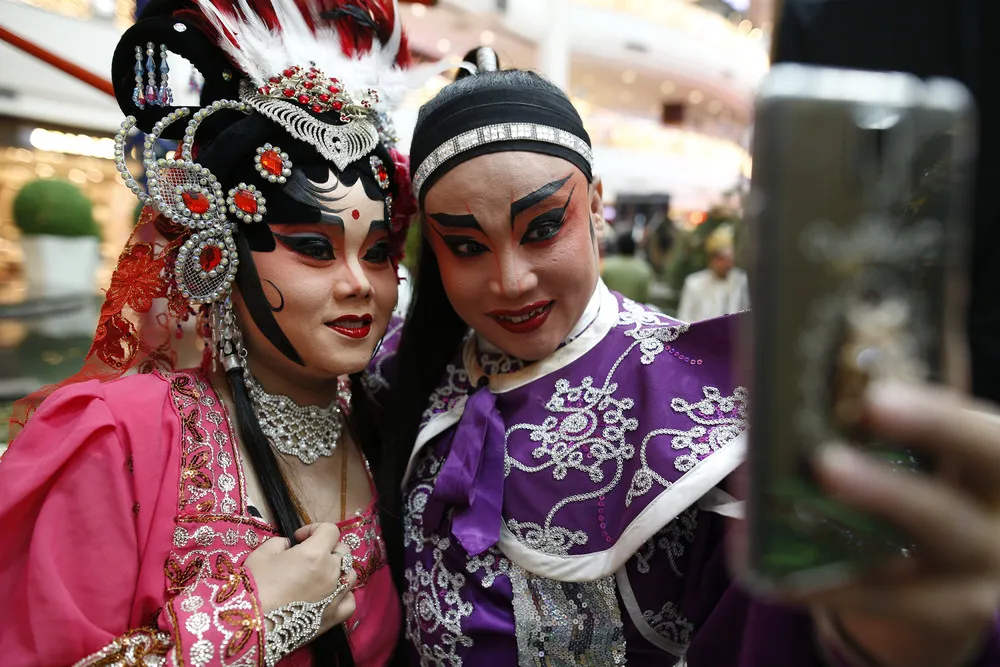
[431, 336]
[331, 648]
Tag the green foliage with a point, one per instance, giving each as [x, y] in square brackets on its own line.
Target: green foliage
[688, 255]
[58, 208]
[412, 246]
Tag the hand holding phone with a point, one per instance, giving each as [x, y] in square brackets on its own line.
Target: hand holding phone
[858, 228]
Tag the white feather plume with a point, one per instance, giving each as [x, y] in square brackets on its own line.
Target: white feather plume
[262, 53]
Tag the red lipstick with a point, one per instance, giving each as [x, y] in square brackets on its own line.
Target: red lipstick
[523, 320]
[352, 326]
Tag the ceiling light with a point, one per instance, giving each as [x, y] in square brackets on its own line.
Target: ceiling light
[75, 144]
[628, 76]
[418, 10]
[486, 38]
[745, 27]
[667, 88]
[755, 34]
[696, 97]
[444, 45]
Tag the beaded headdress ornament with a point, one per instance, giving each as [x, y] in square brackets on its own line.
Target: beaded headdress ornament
[271, 58]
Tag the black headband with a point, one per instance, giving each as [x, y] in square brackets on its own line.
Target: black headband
[495, 119]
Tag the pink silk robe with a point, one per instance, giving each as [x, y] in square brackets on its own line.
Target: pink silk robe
[123, 532]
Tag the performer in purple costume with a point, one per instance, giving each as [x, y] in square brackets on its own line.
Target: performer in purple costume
[565, 498]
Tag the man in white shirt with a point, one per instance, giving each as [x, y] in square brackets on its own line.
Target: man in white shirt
[720, 289]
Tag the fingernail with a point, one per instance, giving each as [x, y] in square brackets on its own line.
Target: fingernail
[841, 460]
[893, 397]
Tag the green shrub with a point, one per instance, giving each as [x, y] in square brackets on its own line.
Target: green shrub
[412, 246]
[54, 207]
[688, 255]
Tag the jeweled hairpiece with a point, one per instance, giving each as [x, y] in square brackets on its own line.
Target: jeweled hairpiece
[287, 55]
[340, 144]
[189, 195]
[379, 172]
[497, 133]
[272, 164]
[247, 203]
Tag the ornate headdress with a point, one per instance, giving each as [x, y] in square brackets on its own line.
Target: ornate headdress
[308, 83]
[494, 118]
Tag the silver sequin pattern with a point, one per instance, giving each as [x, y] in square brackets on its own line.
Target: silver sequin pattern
[562, 623]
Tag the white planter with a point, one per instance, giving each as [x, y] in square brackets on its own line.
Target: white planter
[59, 265]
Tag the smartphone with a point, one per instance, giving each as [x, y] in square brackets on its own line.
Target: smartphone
[857, 225]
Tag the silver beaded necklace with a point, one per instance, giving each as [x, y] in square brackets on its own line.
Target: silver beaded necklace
[305, 432]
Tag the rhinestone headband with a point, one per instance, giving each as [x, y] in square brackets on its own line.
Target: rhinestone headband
[491, 134]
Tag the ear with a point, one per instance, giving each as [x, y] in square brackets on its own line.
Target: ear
[597, 205]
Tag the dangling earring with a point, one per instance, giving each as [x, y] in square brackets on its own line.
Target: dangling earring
[151, 98]
[138, 97]
[166, 95]
[227, 338]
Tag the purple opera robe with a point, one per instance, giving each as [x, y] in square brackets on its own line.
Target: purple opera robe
[571, 512]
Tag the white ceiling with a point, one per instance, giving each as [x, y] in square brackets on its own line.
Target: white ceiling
[637, 86]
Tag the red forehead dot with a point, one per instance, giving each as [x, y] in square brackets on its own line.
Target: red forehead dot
[356, 214]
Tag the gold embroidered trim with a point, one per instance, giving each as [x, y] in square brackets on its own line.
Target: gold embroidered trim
[142, 647]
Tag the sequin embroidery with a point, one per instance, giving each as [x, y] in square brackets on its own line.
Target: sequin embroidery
[564, 624]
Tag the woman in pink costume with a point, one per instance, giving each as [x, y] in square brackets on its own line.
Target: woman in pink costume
[224, 515]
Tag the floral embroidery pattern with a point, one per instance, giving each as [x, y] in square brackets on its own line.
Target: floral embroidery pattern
[435, 610]
[651, 330]
[493, 565]
[591, 434]
[416, 501]
[670, 624]
[672, 540]
[142, 647]
[433, 599]
[548, 539]
[212, 596]
[718, 421]
[364, 537]
[220, 612]
[450, 394]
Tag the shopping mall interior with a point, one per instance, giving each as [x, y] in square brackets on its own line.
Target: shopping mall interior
[665, 89]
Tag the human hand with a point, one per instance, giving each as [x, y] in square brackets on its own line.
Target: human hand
[307, 572]
[934, 608]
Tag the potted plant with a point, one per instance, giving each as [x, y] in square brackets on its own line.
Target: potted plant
[59, 237]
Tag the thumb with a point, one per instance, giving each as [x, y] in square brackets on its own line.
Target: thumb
[274, 545]
[305, 532]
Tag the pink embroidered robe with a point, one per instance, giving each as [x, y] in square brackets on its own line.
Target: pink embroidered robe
[123, 532]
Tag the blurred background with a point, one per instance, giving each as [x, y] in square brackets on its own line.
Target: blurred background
[665, 88]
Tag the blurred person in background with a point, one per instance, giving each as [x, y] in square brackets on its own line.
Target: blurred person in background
[720, 289]
[625, 273]
[955, 39]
